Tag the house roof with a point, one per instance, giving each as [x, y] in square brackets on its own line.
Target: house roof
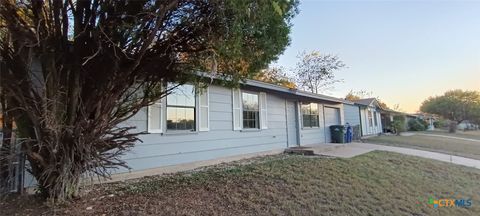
[365, 101]
[291, 91]
[282, 89]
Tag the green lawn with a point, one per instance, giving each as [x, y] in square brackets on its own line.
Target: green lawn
[377, 183]
[458, 147]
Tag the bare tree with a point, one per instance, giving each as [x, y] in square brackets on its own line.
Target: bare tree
[76, 69]
[315, 71]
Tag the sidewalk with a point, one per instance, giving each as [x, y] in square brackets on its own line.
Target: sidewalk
[449, 137]
[354, 149]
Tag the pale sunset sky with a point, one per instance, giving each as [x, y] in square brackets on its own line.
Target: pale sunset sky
[401, 51]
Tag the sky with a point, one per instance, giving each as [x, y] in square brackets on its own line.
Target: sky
[401, 51]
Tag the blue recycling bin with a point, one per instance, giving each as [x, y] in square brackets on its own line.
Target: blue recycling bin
[348, 134]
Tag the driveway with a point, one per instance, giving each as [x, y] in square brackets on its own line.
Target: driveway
[356, 148]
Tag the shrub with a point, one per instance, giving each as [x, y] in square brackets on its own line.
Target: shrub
[424, 123]
[398, 124]
[416, 125]
[441, 123]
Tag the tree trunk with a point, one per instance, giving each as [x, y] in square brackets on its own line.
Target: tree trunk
[6, 143]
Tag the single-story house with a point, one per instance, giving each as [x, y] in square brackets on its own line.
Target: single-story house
[467, 125]
[387, 116]
[187, 127]
[368, 115]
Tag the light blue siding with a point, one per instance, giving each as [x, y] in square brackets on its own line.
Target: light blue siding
[168, 149]
[310, 136]
[352, 114]
[332, 117]
[292, 124]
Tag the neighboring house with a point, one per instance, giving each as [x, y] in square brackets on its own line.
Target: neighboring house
[467, 125]
[408, 118]
[429, 118]
[370, 118]
[387, 119]
[187, 127]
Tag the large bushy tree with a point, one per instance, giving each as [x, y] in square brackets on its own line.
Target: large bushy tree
[275, 75]
[76, 69]
[456, 105]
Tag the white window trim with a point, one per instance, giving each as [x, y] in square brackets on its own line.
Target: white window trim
[301, 114]
[262, 110]
[206, 93]
[163, 117]
[239, 127]
[237, 121]
[241, 111]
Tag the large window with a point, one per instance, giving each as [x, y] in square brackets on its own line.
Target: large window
[250, 110]
[375, 118]
[370, 121]
[310, 115]
[181, 108]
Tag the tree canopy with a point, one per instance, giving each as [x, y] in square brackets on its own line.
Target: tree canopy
[277, 76]
[456, 105]
[76, 69]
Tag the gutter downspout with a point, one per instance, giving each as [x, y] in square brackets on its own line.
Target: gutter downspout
[361, 126]
[297, 122]
[324, 125]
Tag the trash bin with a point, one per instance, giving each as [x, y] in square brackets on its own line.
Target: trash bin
[337, 133]
[348, 133]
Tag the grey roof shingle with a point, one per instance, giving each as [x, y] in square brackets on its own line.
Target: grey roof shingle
[365, 101]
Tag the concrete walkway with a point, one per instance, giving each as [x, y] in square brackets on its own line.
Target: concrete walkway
[354, 149]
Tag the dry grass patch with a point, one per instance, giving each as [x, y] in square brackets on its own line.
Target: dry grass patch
[377, 183]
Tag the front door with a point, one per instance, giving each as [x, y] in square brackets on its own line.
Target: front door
[291, 124]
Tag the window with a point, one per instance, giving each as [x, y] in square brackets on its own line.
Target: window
[181, 109]
[375, 118]
[370, 122]
[310, 115]
[250, 110]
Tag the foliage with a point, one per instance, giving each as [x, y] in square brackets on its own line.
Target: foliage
[416, 125]
[357, 95]
[440, 123]
[398, 124]
[456, 105]
[275, 75]
[315, 71]
[77, 69]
